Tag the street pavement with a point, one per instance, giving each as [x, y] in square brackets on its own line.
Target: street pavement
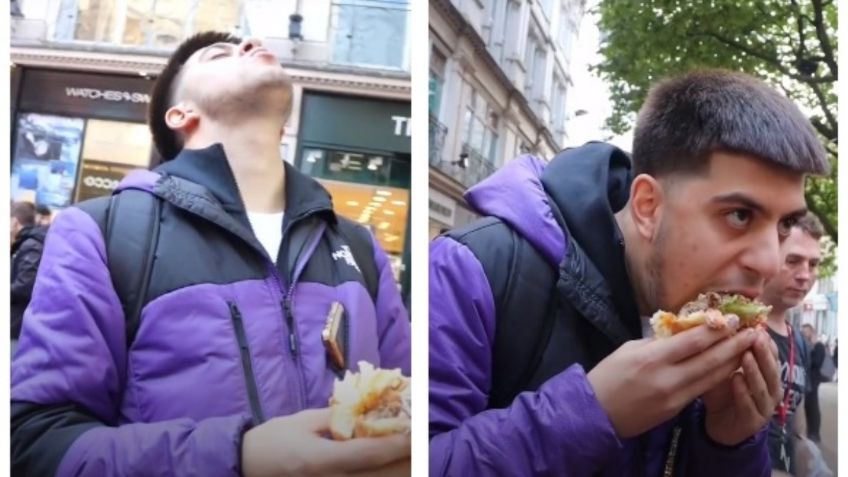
[828, 431]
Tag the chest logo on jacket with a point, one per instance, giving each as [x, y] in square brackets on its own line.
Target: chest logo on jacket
[345, 253]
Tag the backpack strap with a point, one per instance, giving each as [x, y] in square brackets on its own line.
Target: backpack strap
[132, 234]
[362, 248]
[523, 287]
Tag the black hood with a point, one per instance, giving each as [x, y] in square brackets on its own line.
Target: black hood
[589, 185]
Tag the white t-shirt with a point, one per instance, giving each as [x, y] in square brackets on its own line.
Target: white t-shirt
[269, 230]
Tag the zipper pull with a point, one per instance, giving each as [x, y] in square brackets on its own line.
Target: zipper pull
[290, 323]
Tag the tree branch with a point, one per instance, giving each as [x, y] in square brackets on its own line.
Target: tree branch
[825, 131]
[770, 59]
[824, 40]
[832, 123]
[828, 226]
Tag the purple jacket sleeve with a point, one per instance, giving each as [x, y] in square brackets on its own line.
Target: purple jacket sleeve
[708, 458]
[558, 430]
[70, 367]
[392, 317]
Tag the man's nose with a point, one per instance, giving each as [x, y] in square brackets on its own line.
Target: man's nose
[248, 44]
[762, 258]
[804, 274]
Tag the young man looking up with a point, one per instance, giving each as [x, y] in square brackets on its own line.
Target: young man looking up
[226, 373]
[719, 161]
[801, 255]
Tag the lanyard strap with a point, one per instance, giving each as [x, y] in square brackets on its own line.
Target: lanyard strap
[783, 408]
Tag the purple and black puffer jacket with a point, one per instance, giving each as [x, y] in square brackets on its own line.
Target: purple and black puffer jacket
[216, 351]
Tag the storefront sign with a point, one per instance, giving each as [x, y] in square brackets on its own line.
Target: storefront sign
[100, 178]
[356, 123]
[107, 95]
[86, 95]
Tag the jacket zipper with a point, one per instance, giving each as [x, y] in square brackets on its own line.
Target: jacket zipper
[288, 318]
[672, 453]
[247, 365]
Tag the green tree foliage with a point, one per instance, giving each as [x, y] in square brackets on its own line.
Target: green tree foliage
[791, 44]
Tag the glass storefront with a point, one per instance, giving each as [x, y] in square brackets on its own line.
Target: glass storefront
[76, 135]
[359, 148]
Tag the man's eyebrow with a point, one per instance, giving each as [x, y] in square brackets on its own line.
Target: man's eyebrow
[204, 52]
[739, 198]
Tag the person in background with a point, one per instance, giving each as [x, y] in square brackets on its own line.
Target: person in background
[43, 215]
[800, 258]
[27, 240]
[811, 406]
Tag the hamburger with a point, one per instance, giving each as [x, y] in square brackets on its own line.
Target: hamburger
[716, 310]
[371, 403]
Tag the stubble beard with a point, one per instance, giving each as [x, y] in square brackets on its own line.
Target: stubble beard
[655, 292]
[266, 94]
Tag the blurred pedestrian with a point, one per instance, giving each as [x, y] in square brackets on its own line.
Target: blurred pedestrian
[817, 357]
[27, 246]
[177, 325]
[43, 215]
[800, 259]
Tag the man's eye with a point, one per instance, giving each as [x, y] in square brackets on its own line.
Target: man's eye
[784, 227]
[739, 218]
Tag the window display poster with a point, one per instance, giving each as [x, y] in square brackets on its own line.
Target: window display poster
[47, 151]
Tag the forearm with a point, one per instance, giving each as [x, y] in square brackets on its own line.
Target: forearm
[559, 430]
[65, 440]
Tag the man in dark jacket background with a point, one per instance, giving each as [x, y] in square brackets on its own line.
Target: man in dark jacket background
[717, 181]
[811, 404]
[27, 245]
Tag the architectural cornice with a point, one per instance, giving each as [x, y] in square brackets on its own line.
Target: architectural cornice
[333, 78]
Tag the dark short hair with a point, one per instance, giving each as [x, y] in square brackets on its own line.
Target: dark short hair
[24, 212]
[167, 141]
[811, 225]
[685, 119]
[42, 209]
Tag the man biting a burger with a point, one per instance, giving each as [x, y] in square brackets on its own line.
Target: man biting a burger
[553, 368]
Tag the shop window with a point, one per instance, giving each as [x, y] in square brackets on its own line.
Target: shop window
[110, 151]
[363, 168]
[371, 33]
[47, 150]
[383, 210]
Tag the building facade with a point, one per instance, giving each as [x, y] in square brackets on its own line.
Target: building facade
[499, 79]
[82, 72]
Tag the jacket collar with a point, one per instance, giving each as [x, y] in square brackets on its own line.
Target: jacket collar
[210, 169]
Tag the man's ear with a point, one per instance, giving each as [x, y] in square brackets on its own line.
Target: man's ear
[646, 205]
[183, 117]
